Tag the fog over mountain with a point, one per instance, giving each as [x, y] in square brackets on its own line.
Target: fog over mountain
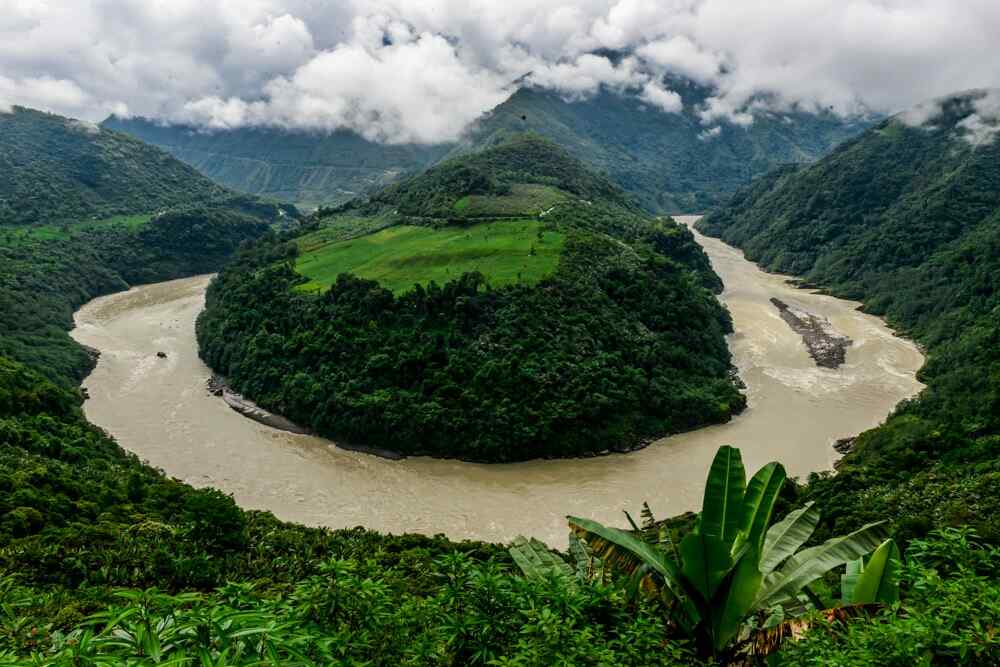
[421, 71]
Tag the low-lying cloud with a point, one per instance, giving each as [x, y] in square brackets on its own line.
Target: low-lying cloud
[422, 70]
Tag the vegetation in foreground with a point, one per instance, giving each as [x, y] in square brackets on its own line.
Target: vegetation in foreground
[589, 327]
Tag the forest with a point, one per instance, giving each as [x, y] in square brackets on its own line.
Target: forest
[622, 344]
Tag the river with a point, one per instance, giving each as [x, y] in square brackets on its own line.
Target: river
[160, 409]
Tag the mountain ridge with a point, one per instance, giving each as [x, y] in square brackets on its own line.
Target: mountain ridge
[671, 162]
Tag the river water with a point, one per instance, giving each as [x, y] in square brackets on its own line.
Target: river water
[160, 409]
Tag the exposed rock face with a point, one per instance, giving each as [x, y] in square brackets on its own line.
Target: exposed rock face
[827, 347]
[248, 408]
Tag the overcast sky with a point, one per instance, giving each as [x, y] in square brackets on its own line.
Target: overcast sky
[421, 70]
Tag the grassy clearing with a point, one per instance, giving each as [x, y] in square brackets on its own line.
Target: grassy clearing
[68, 230]
[402, 256]
[524, 199]
[343, 228]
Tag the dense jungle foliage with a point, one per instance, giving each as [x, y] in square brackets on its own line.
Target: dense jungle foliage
[55, 169]
[907, 219]
[621, 344]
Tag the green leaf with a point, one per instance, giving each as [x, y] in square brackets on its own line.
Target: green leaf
[879, 581]
[758, 505]
[536, 561]
[627, 553]
[730, 610]
[706, 561]
[785, 537]
[809, 565]
[720, 508]
[849, 579]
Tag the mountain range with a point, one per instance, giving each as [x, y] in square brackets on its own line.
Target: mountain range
[670, 162]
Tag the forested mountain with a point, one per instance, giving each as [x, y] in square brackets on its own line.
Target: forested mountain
[309, 169]
[907, 219]
[86, 211]
[55, 170]
[670, 162]
[504, 306]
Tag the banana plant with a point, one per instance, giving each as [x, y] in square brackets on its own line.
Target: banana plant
[875, 581]
[734, 564]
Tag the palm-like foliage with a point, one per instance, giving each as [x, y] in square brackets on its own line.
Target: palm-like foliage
[735, 564]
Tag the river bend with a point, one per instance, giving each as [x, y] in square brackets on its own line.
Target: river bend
[159, 408]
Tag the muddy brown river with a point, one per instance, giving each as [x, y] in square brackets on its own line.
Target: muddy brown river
[160, 409]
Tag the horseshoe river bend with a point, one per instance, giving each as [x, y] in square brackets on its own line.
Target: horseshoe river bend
[160, 409]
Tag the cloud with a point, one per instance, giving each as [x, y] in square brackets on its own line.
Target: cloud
[981, 108]
[658, 96]
[586, 74]
[682, 56]
[43, 93]
[982, 126]
[415, 90]
[419, 70]
[710, 133]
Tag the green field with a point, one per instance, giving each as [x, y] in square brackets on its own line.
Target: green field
[66, 231]
[400, 257]
[524, 199]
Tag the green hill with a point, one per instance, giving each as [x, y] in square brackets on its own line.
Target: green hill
[406, 323]
[906, 218]
[55, 169]
[309, 169]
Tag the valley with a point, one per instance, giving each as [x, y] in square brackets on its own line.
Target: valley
[160, 410]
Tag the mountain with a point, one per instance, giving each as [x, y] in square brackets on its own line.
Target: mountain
[55, 169]
[505, 305]
[309, 169]
[905, 218]
[86, 211]
[670, 162]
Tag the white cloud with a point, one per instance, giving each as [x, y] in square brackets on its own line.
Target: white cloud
[42, 93]
[658, 96]
[710, 133]
[982, 126]
[681, 55]
[402, 70]
[586, 74]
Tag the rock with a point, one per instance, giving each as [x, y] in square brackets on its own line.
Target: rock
[217, 385]
[844, 445]
[827, 347]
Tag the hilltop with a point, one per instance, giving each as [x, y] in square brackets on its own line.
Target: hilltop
[55, 169]
[502, 306]
[906, 218]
